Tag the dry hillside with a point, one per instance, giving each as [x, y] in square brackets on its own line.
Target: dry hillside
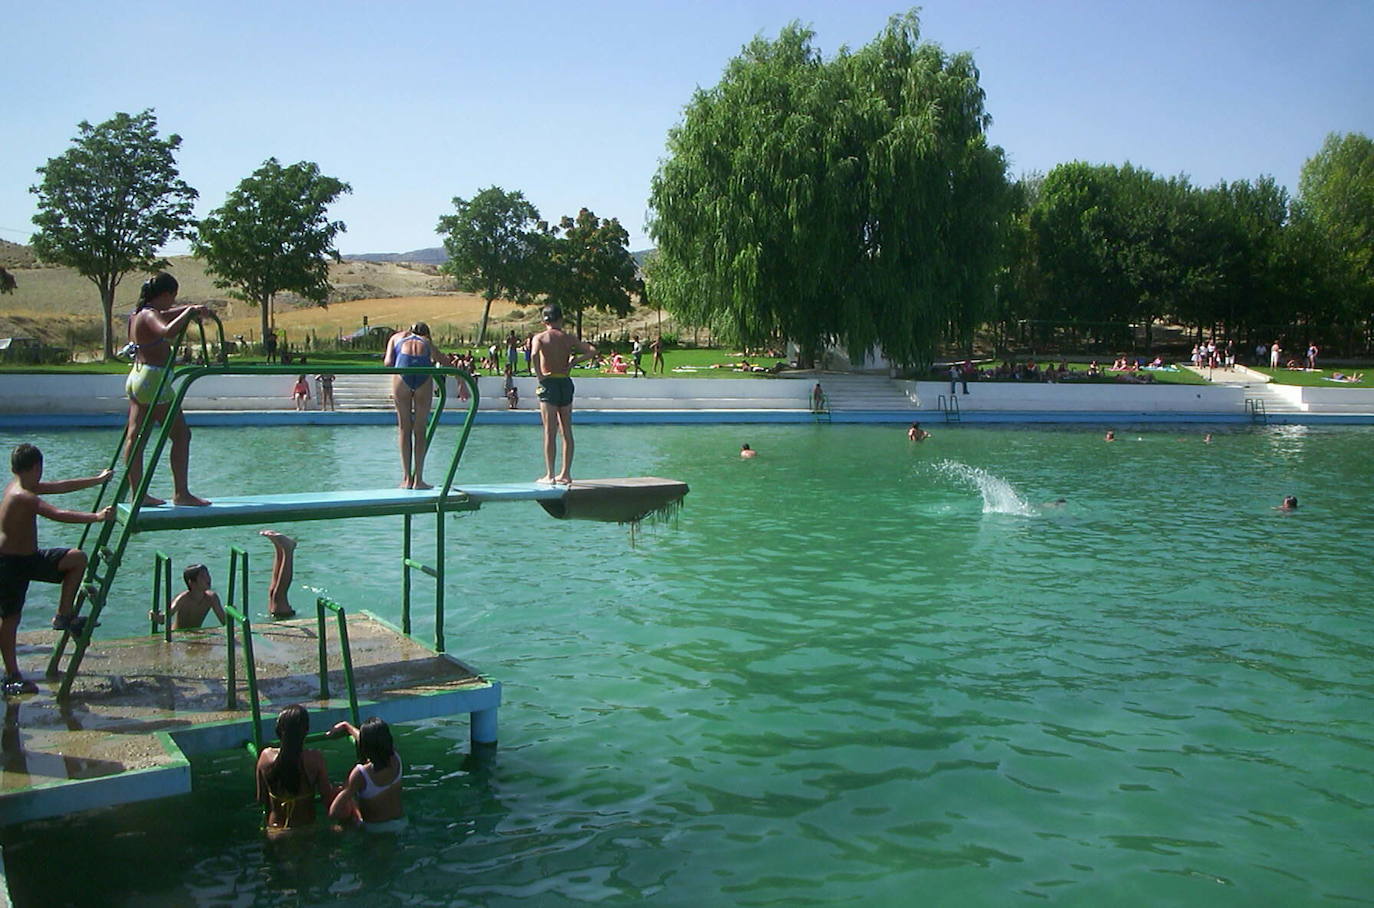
[59, 306]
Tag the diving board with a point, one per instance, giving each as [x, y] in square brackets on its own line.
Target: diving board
[618, 500]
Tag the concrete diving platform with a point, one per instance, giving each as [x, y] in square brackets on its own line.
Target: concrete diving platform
[617, 500]
[142, 706]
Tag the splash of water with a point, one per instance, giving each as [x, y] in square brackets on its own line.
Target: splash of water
[999, 497]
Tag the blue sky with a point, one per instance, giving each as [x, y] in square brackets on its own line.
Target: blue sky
[416, 102]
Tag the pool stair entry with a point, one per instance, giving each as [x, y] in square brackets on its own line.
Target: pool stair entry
[144, 705]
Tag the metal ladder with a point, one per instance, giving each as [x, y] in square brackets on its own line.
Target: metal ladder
[949, 405]
[1254, 406]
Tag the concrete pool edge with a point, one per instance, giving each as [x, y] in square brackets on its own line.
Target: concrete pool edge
[224, 418]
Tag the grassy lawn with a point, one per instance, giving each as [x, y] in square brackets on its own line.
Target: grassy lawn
[696, 363]
[1318, 379]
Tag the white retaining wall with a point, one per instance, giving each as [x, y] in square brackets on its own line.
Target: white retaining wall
[1337, 400]
[661, 393]
[1069, 397]
[64, 393]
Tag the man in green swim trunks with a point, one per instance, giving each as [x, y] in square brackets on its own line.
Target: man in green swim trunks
[553, 353]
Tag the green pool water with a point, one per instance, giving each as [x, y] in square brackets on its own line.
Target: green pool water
[854, 671]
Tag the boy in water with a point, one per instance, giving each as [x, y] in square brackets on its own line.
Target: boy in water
[21, 560]
[553, 353]
[189, 609]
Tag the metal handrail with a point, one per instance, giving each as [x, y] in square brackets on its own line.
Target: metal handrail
[321, 604]
[250, 670]
[162, 587]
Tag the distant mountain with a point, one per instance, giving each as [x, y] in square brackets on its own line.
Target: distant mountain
[435, 255]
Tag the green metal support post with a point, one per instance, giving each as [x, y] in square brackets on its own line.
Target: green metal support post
[162, 595]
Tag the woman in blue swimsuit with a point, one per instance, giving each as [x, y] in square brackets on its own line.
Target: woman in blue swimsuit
[413, 396]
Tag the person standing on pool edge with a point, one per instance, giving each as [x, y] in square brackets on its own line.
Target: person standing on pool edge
[553, 353]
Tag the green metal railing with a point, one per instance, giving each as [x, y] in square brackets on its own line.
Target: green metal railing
[323, 603]
[249, 668]
[162, 595]
[104, 563]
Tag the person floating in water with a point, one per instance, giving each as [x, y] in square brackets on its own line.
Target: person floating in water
[746, 452]
[1111, 435]
[372, 793]
[916, 433]
[553, 353]
[1290, 503]
[151, 326]
[188, 609]
[289, 777]
[21, 560]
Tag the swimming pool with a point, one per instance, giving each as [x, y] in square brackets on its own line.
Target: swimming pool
[854, 670]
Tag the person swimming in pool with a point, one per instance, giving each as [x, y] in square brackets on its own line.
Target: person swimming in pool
[155, 322]
[289, 777]
[413, 396]
[553, 353]
[1290, 503]
[372, 793]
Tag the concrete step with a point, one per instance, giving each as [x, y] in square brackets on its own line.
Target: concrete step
[865, 392]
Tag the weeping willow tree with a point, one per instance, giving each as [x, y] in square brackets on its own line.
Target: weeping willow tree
[852, 201]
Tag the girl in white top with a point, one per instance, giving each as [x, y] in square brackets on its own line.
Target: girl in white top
[372, 794]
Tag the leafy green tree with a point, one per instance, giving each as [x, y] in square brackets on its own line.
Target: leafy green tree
[589, 266]
[273, 235]
[494, 247]
[1336, 205]
[1118, 246]
[852, 200]
[108, 204]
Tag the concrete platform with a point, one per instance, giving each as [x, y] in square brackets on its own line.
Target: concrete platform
[141, 706]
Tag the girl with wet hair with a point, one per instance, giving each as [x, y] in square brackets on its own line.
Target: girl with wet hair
[372, 795]
[290, 777]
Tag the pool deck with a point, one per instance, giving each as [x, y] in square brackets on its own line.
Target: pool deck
[142, 706]
[699, 417]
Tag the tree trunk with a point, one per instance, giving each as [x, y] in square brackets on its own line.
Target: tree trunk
[107, 285]
[579, 324]
[482, 331]
[265, 311]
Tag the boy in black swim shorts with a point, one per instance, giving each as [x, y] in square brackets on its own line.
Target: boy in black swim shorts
[22, 561]
[553, 353]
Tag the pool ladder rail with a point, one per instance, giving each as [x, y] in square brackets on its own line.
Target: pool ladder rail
[112, 539]
[1254, 407]
[949, 406]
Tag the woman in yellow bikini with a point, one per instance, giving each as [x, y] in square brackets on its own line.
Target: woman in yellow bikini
[151, 327]
[290, 777]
